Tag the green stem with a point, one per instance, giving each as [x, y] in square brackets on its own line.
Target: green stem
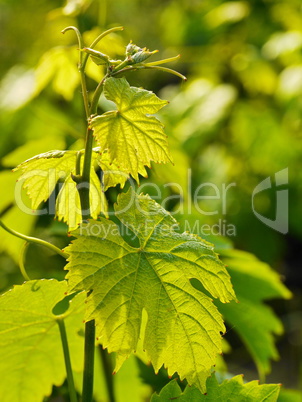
[83, 188]
[72, 391]
[89, 349]
[106, 361]
[83, 184]
[34, 240]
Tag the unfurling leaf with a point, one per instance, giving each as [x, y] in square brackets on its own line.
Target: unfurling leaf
[31, 351]
[40, 175]
[131, 136]
[183, 327]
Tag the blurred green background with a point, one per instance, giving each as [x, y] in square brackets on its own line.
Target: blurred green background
[237, 119]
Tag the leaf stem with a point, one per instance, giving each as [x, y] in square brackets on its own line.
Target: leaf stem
[34, 240]
[71, 387]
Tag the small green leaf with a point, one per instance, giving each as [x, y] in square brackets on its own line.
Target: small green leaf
[42, 172]
[132, 137]
[40, 175]
[229, 390]
[183, 328]
[31, 351]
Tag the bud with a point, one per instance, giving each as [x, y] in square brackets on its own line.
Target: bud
[137, 54]
[141, 56]
[131, 49]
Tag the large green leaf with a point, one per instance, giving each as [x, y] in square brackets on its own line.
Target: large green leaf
[255, 322]
[183, 327]
[31, 352]
[132, 137]
[40, 175]
[228, 390]
[254, 283]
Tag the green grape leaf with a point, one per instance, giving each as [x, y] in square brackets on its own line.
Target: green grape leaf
[255, 322]
[132, 137]
[40, 175]
[229, 390]
[32, 358]
[183, 327]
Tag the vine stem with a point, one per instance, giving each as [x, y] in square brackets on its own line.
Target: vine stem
[70, 381]
[83, 184]
[83, 189]
[89, 347]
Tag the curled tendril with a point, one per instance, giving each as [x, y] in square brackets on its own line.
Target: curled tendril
[21, 261]
[34, 240]
[80, 40]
